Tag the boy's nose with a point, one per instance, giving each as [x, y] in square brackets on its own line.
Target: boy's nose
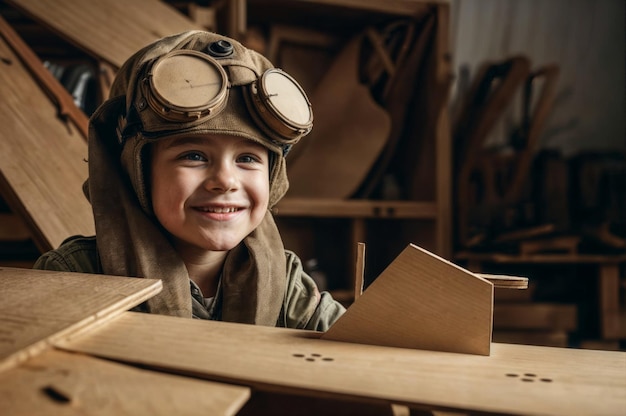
[221, 177]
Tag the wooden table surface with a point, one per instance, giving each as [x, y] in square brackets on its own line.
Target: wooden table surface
[513, 379]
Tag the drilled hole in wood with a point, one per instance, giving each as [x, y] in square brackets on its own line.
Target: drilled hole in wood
[313, 357]
[529, 377]
[56, 395]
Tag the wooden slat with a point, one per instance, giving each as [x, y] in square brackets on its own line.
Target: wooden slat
[535, 316]
[413, 8]
[514, 379]
[353, 208]
[108, 29]
[501, 281]
[446, 307]
[501, 258]
[39, 307]
[63, 383]
[42, 159]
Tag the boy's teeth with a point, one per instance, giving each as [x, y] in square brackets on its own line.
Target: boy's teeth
[220, 210]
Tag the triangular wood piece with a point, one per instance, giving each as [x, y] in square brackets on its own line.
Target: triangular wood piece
[111, 30]
[39, 307]
[421, 301]
[42, 158]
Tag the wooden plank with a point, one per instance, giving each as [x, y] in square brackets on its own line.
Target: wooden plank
[446, 307]
[351, 130]
[39, 307]
[63, 383]
[514, 379]
[609, 294]
[108, 29]
[359, 271]
[502, 281]
[412, 8]
[535, 316]
[42, 159]
[501, 258]
[353, 208]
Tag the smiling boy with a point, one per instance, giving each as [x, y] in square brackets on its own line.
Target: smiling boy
[186, 160]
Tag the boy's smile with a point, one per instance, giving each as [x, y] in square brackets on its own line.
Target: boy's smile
[209, 191]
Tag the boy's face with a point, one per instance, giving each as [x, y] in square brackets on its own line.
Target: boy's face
[209, 191]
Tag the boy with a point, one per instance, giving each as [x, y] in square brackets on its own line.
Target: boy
[186, 159]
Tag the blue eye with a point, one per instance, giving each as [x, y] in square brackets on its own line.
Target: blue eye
[247, 159]
[194, 156]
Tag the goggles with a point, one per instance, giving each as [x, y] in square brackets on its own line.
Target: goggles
[189, 87]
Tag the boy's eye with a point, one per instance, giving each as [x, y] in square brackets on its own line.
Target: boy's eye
[193, 156]
[248, 159]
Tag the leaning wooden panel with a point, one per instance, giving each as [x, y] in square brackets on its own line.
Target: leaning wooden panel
[109, 29]
[63, 383]
[514, 379]
[421, 301]
[42, 159]
[39, 307]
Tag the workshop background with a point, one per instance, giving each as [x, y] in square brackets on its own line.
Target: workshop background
[490, 132]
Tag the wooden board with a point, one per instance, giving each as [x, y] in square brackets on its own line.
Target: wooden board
[535, 316]
[514, 379]
[349, 131]
[39, 307]
[421, 301]
[63, 383]
[502, 281]
[108, 29]
[42, 159]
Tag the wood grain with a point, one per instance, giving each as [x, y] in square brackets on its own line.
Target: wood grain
[39, 307]
[109, 29]
[421, 301]
[514, 379]
[42, 159]
[63, 383]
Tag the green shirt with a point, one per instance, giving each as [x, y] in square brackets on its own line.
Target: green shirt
[303, 306]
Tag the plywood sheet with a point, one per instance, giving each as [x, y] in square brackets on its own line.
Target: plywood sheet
[38, 307]
[421, 301]
[42, 159]
[514, 379]
[62, 383]
[108, 29]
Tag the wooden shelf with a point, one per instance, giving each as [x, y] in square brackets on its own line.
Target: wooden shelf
[542, 258]
[333, 208]
[607, 272]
